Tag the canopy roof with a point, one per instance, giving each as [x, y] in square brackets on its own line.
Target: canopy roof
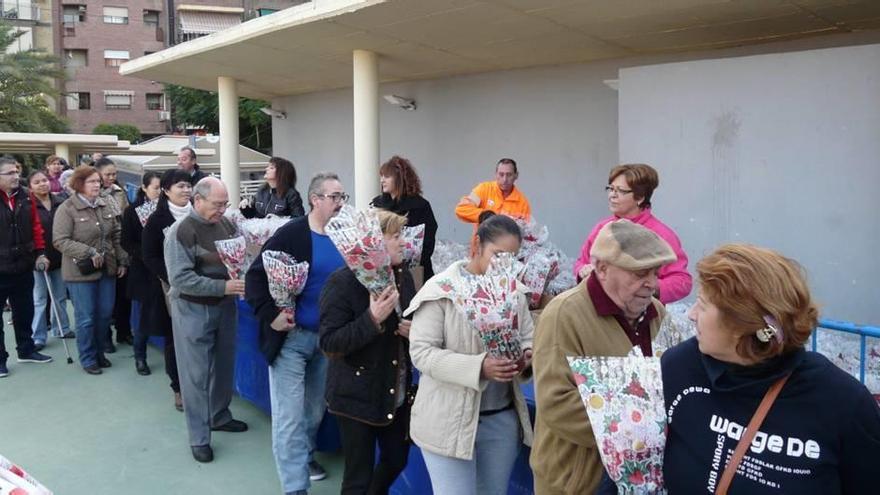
[309, 47]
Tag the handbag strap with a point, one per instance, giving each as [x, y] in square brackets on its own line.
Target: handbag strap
[749, 434]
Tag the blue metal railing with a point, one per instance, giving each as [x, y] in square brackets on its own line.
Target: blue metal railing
[863, 331]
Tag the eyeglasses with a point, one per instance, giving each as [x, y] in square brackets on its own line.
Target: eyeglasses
[220, 204]
[617, 190]
[11, 173]
[336, 197]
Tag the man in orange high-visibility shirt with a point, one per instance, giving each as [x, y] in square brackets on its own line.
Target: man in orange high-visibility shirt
[499, 196]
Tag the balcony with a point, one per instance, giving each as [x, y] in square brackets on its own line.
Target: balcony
[19, 10]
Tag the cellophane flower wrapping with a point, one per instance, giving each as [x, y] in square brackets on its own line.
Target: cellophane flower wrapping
[287, 278]
[489, 303]
[358, 237]
[546, 265]
[233, 254]
[675, 328]
[413, 242]
[13, 477]
[623, 398]
[446, 253]
[145, 210]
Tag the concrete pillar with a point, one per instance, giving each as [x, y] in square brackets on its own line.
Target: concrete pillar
[63, 150]
[227, 93]
[366, 127]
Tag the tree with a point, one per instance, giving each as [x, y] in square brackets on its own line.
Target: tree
[26, 86]
[195, 107]
[125, 132]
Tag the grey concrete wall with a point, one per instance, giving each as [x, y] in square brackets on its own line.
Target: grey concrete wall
[560, 124]
[778, 150]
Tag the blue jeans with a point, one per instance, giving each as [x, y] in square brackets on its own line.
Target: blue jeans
[296, 385]
[488, 473]
[139, 338]
[92, 308]
[41, 305]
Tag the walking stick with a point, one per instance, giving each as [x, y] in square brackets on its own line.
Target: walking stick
[57, 317]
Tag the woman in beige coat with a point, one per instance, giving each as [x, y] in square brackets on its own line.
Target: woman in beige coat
[87, 233]
[469, 417]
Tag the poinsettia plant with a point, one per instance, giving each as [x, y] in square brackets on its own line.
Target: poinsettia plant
[413, 242]
[358, 237]
[489, 303]
[623, 398]
[287, 278]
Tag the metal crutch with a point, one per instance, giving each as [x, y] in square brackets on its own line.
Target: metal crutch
[57, 316]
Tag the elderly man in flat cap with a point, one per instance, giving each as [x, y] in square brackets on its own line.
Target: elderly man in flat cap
[607, 314]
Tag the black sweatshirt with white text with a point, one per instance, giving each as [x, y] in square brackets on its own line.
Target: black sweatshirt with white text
[821, 436]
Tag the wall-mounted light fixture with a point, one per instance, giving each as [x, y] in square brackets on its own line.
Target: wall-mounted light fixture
[399, 101]
[271, 112]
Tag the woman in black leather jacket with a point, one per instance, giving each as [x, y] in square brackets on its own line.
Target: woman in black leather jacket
[278, 196]
[369, 377]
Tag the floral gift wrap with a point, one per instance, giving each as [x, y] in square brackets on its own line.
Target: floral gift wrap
[145, 210]
[623, 397]
[413, 242]
[287, 278]
[233, 253]
[358, 237]
[489, 303]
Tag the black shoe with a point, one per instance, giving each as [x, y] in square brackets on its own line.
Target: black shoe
[39, 346]
[316, 471]
[203, 453]
[93, 370]
[178, 401]
[127, 339]
[233, 426]
[34, 357]
[4, 371]
[141, 366]
[110, 349]
[69, 335]
[104, 362]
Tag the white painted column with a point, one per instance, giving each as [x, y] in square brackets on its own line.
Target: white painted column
[366, 127]
[227, 93]
[63, 150]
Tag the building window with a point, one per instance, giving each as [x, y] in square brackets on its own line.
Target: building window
[155, 101]
[71, 16]
[115, 58]
[115, 15]
[76, 58]
[265, 12]
[151, 17]
[79, 101]
[118, 100]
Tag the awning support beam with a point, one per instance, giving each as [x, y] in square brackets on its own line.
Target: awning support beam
[227, 92]
[366, 127]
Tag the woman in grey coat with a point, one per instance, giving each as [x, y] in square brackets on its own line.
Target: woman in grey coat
[87, 232]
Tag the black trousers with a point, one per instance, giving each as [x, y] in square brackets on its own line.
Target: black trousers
[121, 312]
[171, 364]
[362, 474]
[19, 288]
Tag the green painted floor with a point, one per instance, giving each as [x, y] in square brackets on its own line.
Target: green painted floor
[118, 433]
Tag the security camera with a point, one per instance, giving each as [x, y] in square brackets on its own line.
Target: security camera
[404, 103]
[271, 112]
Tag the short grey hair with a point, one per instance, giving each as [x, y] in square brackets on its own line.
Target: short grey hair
[316, 186]
[203, 187]
[7, 160]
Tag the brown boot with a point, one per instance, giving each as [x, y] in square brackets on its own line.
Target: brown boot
[178, 401]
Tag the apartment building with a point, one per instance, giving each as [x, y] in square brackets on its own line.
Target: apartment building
[95, 38]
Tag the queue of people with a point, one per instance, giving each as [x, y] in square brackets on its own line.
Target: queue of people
[357, 354]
